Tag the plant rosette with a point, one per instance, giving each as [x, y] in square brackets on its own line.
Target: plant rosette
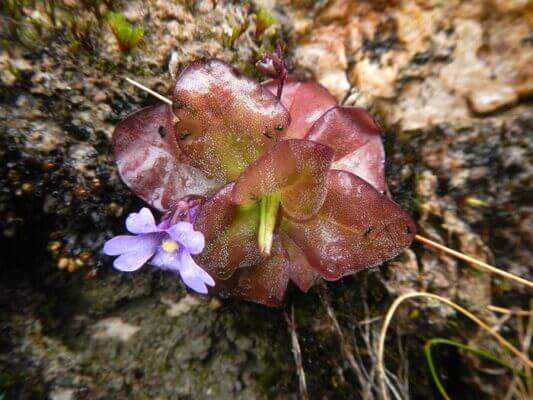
[281, 182]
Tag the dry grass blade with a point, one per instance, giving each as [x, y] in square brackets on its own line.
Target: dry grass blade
[472, 260]
[361, 356]
[507, 311]
[381, 345]
[346, 349]
[155, 94]
[297, 353]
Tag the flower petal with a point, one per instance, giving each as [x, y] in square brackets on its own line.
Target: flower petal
[134, 260]
[193, 276]
[165, 260]
[141, 222]
[123, 244]
[184, 233]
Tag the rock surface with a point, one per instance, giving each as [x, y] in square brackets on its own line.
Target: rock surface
[448, 81]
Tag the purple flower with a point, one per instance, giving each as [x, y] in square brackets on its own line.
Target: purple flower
[166, 247]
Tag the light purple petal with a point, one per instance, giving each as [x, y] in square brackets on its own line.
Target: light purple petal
[141, 222]
[165, 260]
[183, 233]
[127, 244]
[133, 261]
[193, 212]
[193, 276]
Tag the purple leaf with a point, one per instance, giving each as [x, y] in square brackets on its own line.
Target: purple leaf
[152, 166]
[295, 168]
[354, 136]
[230, 232]
[301, 272]
[267, 282]
[226, 121]
[356, 228]
[306, 102]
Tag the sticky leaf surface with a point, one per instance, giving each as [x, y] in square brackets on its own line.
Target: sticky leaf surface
[150, 162]
[306, 102]
[301, 272]
[295, 168]
[356, 228]
[226, 121]
[354, 136]
[267, 282]
[230, 233]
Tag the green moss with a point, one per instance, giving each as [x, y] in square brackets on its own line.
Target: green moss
[236, 32]
[81, 33]
[270, 379]
[14, 8]
[128, 36]
[16, 72]
[263, 20]
[28, 35]
[50, 8]
[14, 384]
[6, 381]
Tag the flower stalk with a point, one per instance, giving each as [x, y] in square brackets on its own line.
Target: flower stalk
[269, 206]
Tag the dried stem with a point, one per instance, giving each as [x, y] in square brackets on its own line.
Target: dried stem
[474, 261]
[297, 353]
[501, 310]
[345, 346]
[155, 94]
[381, 345]
[351, 353]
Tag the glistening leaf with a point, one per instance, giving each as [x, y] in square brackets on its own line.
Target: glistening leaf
[150, 162]
[226, 121]
[306, 102]
[267, 282]
[354, 136]
[290, 86]
[230, 233]
[356, 228]
[301, 272]
[295, 168]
